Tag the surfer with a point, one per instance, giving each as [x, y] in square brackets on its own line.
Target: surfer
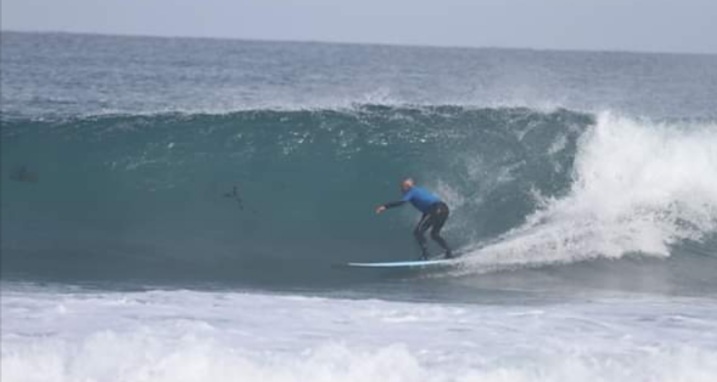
[435, 214]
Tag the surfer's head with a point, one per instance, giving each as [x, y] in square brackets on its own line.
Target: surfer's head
[407, 184]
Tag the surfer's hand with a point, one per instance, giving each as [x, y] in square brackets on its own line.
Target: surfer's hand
[380, 209]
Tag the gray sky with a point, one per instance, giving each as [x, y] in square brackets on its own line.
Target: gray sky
[634, 25]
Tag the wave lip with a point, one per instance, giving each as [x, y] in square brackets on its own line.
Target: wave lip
[638, 188]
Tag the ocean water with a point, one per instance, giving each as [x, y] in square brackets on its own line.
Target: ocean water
[174, 210]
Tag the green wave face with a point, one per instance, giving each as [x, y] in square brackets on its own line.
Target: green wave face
[129, 195]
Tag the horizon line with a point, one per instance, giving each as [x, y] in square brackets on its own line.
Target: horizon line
[362, 43]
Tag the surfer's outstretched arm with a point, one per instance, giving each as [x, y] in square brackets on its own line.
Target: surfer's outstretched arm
[388, 205]
[397, 203]
[406, 198]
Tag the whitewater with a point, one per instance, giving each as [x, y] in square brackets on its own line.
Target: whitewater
[153, 336]
[175, 210]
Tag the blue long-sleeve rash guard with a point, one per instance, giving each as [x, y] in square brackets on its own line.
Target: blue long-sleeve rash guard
[421, 198]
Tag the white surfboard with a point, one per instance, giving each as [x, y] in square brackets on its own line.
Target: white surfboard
[406, 264]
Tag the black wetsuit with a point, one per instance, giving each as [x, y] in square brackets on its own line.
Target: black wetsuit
[435, 214]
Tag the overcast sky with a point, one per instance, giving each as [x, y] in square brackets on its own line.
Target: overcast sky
[633, 25]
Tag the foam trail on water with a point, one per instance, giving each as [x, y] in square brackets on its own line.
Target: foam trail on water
[638, 187]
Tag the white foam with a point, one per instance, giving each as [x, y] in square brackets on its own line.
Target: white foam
[128, 358]
[224, 336]
[638, 187]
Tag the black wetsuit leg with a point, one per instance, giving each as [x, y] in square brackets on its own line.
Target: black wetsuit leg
[440, 215]
[419, 231]
[435, 218]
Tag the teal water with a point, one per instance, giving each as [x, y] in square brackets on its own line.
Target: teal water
[121, 157]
